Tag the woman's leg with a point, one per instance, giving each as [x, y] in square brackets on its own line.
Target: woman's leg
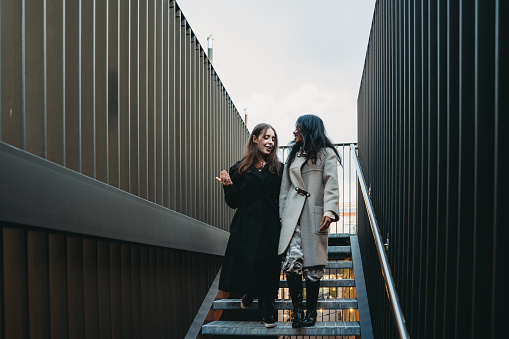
[266, 305]
[266, 310]
[292, 267]
[295, 286]
[313, 276]
[247, 300]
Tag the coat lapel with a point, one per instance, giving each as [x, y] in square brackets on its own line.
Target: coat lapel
[293, 204]
[295, 172]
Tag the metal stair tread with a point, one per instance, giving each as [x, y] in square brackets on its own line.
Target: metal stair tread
[326, 283]
[325, 328]
[339, 265]
[286, 304]
[339, 249]
[339, 235]
[342, 264]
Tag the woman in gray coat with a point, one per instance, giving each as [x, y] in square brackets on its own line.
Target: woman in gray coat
[308, 203]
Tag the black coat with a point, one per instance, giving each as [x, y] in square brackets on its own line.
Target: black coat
[251, 263]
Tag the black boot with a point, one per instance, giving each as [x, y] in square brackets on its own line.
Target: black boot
[295, 286]
[312, 290]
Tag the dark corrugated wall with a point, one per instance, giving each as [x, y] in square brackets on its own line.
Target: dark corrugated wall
[120, 91]
[432, 117]
[70, 286]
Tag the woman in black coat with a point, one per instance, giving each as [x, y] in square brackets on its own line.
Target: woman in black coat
[251, 263]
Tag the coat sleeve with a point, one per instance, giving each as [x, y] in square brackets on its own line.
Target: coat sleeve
[285, 188]
[330, 183]
[232, 194]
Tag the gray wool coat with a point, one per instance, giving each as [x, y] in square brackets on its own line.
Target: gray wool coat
[321, 181]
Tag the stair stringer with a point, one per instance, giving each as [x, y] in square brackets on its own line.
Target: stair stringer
[360, 287]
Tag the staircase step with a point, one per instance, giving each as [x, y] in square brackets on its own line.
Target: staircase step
[339, 235]
[339, 264]
[339, 239]
[251, 328]
[286, 304]
[339, 250]
[336, 264]
[327, 283]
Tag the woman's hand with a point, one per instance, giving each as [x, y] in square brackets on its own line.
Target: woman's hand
[325, 223]
[224, 178]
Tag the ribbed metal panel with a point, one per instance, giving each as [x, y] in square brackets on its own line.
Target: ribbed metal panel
[120, 91]
[432, 109]
[64, 286]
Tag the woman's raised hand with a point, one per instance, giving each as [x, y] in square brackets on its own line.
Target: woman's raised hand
[224, 178]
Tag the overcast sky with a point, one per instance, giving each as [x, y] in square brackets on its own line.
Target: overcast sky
[284, 58]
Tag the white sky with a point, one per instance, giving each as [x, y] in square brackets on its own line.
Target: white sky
[284, 58]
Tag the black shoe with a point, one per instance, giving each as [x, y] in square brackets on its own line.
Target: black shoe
[295, 286]
[310, 319]
[298, 318]
[312, 291]
[247, 301]
[269, 322]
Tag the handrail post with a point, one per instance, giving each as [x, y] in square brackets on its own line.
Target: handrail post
[386, 269]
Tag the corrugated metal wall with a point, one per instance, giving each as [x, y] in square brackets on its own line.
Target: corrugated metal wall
[65, 286]
[432, 117]
[123, 92]
[120, 91]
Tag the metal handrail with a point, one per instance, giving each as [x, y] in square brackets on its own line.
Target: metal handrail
[386, 269]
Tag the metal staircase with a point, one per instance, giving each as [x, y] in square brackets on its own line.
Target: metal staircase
[344, 261]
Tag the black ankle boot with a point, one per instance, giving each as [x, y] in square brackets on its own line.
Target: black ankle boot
[312, 290]
[295, 286]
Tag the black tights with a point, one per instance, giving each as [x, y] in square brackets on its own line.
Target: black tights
[266, 305]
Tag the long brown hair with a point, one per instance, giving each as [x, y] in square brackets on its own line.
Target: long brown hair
[253, 155]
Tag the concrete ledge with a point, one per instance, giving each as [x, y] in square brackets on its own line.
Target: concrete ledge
[36, 192]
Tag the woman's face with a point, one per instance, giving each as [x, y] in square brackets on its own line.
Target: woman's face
[265, 142]
[298, 136]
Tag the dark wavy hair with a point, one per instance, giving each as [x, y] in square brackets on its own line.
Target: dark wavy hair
[314, 139]
[253, 155]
